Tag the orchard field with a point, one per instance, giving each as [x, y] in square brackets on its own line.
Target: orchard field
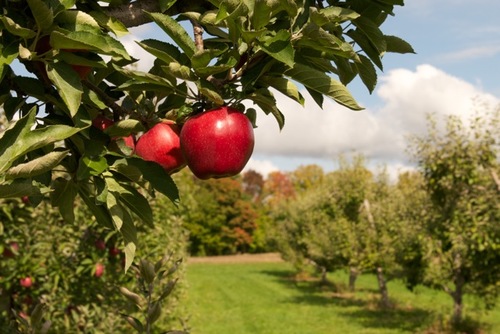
[246, 297]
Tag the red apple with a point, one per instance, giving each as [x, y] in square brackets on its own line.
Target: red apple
[26, 282]
[11, 249]
[217, 143]
[161, 144]
[43, 46]
[100, 244]
[102, 123]
[99, 270]
[114, 251]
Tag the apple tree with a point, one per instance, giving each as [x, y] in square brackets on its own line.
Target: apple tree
[460, 242]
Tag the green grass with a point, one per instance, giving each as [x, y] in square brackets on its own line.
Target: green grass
[262, 299]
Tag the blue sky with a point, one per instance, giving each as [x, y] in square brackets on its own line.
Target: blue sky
[457, 61]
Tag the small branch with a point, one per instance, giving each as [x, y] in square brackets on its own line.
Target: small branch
[132, 14]
[495, 177]
[198, 35]
[108, 101]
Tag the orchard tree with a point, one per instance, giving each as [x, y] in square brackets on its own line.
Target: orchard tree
[460, 169]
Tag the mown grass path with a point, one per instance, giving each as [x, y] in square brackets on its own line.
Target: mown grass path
[261, 298]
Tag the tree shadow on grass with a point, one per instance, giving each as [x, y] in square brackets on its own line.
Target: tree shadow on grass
[365, 311]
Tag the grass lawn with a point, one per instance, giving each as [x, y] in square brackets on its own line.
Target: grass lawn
[260, 298]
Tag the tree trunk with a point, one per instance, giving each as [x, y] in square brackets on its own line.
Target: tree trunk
[353, 275]
[457, 296]
[382, 285]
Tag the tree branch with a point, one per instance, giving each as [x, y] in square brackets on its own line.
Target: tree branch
[132, 14]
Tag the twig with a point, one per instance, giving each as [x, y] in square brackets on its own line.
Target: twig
[198, 35]
[108, 101]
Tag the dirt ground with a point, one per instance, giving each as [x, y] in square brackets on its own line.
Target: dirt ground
[240, 258]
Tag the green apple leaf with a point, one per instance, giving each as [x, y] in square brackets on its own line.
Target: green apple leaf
[63, 196]
[68, 83]
[112, 24]
[324, 84]
[367, 72]
[18, 188]
[42, 13]
[19, 138]
[86, 40]
[175, 31]
[162, 50]
[15, 29]
[209, 91]
[279, 47]
[157, 177]
[91, 166]
[284, 86]
[398, 45]
[99, 211]
[266, 101]
[36, 166]
[368, 48]
[124, 128]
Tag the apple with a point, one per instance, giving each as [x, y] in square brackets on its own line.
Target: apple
[43, 46]
[11, 250]
[114, 251]
[161, 144]
[99, 270]
[100, 244]
[26, 282]
[217, 143]
[102, 123]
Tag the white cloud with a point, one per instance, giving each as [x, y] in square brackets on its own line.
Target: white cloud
[473, 52]
[264, 167]
[407, 97]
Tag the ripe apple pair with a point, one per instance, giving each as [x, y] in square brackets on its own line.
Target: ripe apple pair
[214, 144]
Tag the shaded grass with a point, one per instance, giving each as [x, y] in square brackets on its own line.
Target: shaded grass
[263, 298]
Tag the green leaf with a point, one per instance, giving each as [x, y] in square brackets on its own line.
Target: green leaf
[132, 199]
[134, 322]
[16, 29]
[367, 73]
[36, 166]
[85, 40]
[209, 91]
[100, 212]
[284, 86]
[90, 166]
[180, 71]
[63, 197]
[398, 45]
[18, 188]
[322, 83]
[175, 31]
[266, 101]
[157, 177]
[124, 128]
[261, 14]
[279, 47]
[19, 139]
[367, 47]
[333, 14]
[42, 13]
[162, 50]
[111, 23]
[68, 83]
[166, 4]
[372, 32]
[129, 251]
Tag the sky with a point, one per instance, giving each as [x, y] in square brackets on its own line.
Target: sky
[454, 71]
